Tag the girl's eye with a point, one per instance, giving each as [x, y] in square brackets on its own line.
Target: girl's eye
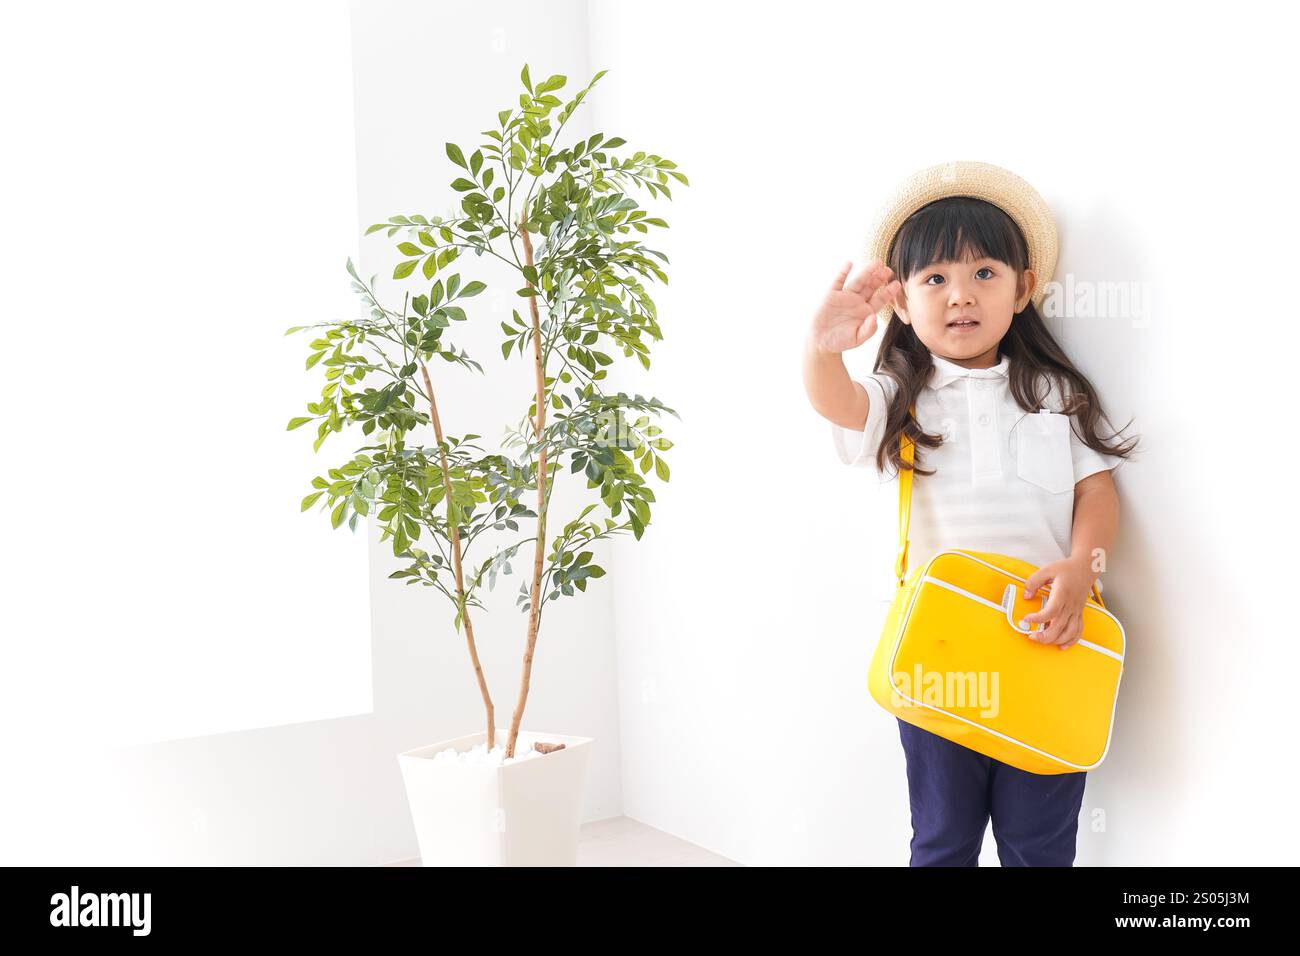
[936, 275]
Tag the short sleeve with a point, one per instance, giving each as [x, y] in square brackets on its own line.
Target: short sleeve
[858, 448]
[1088, 461]
[1085, 460]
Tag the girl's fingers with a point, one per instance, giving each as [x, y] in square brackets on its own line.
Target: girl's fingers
[869, 279]
[1061, 632]
[855, 284]
[870, 284]
[884, 296]
[1049, 613]
[1072, 632]
[1036, 617]
[837, 284]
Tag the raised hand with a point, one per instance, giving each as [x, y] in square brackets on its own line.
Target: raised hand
[847, 316]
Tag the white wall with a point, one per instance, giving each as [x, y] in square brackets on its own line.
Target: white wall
[178, 192]
[229, 162]
[169, 218]
[747, 616]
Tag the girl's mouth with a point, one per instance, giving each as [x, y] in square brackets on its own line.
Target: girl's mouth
[962, 325]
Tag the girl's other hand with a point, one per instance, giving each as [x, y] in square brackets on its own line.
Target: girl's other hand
[847, 316]
[1071, 582]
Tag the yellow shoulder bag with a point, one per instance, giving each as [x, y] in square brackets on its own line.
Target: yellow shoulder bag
[954, 660]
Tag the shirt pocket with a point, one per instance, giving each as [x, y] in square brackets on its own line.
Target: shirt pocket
[1043, 451]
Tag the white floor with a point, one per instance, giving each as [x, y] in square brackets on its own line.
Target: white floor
[622, 841]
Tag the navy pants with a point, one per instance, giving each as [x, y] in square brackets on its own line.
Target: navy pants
[953, 791]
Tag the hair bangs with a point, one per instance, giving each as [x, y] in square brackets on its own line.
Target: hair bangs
[956, 229]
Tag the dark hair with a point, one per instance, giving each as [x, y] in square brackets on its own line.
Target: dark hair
[963, 228]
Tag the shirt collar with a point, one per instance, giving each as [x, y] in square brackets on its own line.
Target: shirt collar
[946, 371]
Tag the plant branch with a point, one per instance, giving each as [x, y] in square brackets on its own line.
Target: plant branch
[462, 610]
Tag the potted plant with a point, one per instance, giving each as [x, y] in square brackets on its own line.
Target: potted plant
[575, 244]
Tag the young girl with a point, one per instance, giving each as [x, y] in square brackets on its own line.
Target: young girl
[1007, 458]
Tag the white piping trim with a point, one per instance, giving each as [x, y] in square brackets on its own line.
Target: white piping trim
[974, 597]
[1020, 743]
[1006, 608]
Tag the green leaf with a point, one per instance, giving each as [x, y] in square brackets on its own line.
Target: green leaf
[404, 269]
[661, 468]
[409, 249]
[310, 500]
[461, 184]
[295, 422]
[472, 288]
[456, 156]
[336, 518]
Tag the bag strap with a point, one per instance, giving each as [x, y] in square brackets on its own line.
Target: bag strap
[906, 449]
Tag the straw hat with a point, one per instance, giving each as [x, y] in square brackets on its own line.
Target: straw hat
[1003, 188]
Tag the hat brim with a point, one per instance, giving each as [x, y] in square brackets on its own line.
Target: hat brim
[993, 184]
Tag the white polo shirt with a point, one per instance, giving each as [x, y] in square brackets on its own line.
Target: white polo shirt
[1004, 478]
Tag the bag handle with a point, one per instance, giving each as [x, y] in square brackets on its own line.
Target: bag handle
[906, 448]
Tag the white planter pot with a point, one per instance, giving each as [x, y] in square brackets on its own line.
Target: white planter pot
[524, 813]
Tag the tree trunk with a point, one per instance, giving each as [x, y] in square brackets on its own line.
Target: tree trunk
[456, 563]
[538, 424]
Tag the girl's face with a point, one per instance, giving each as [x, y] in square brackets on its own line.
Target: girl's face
[983, 290]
